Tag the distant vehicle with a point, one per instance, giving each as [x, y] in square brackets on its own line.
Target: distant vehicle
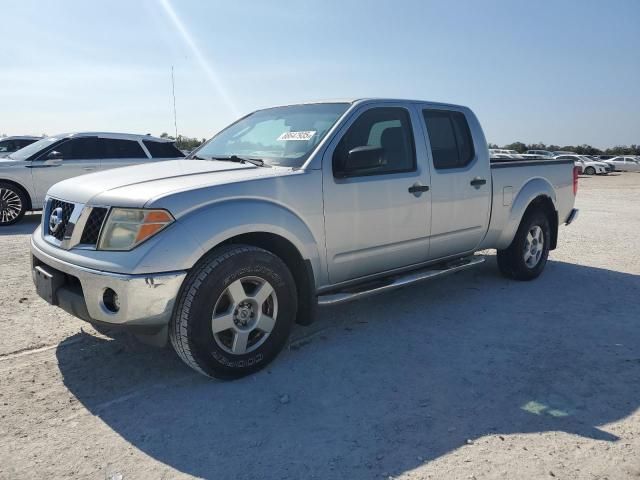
[539, 153]
[586, 165]
[502, 151]
[562, 152]
[27, 174]
[13, 144]
[624, 164]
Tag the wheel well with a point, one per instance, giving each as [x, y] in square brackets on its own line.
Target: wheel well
[545, 204]
[300, 268]
[22, 189]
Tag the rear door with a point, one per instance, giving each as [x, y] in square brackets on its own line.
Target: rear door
[460, 181]
[120, 152]
[76, 156]
[376, 218]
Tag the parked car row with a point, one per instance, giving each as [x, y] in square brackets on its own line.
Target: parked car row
[587, 164]
[26, 174]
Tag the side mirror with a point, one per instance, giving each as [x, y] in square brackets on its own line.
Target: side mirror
[362, 159]
[53, 155]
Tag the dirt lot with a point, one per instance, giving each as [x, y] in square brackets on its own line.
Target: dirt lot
[473, 376]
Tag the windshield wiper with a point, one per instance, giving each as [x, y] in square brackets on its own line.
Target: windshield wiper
[234, 158]
[194, 157]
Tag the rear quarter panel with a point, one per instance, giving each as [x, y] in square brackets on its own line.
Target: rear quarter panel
[515, 186]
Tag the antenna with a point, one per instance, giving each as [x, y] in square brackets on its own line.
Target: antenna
[173, 90]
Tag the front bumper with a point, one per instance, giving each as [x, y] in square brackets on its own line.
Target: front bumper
[145, 301]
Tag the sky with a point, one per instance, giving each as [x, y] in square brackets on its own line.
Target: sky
[561, 72]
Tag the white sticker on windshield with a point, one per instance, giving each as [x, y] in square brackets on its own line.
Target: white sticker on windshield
[297, 135]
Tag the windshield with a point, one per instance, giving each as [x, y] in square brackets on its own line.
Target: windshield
[32, 149]
[279, 136]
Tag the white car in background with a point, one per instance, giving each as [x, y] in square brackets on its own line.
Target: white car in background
[538, 154]
[586, 165]
[501, 151]
[624, 163]
[26, 175]
[8, 145]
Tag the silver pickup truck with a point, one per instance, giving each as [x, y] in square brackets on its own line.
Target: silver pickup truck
[286, 209]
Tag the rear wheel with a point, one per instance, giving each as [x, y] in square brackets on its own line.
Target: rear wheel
[527, 255]
[590, 171]
[13, 204]
[235, 312]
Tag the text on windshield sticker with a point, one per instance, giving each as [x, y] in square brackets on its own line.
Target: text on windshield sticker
[297, 135]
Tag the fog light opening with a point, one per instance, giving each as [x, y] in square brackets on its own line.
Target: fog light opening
[111, 300]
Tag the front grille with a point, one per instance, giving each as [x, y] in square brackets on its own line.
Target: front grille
[94, 224]
[62, 212]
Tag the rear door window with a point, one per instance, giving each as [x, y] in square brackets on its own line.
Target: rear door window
[450, 138]
[162, 149]
[117, 148]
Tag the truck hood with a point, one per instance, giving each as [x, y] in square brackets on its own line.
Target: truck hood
[137, 185]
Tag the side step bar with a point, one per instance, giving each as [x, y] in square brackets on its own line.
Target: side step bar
[398, 281]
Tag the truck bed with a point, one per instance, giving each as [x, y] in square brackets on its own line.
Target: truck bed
[515, 183]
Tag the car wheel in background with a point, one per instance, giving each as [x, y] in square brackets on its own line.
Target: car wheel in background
[13, 204]
[235, 312]
[590, 171]
[527, 255]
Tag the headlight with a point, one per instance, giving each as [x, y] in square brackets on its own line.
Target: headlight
[126, 228]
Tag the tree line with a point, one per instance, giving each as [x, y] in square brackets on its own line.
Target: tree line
[185, 143]
[584, 149]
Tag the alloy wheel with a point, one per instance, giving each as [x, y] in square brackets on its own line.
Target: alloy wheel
[10, 205]
[244, 315]
[533, 246]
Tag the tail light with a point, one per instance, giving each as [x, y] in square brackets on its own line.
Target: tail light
[575, 180]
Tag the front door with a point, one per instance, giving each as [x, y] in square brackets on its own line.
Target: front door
[76, 156]
[460, 181]
[376, 198]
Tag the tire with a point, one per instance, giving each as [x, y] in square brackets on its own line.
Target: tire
[13, 204]
[590, 171]
[524, 259]
[219, 329]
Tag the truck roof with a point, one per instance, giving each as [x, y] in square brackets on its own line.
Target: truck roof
[369, 99]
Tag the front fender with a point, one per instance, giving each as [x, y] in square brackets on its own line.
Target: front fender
[20, 176]
[534, 188]
[213, 224]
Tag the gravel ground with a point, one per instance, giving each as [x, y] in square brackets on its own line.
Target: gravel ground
[472, 376]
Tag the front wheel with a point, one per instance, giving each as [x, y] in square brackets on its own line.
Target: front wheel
[13, 204]
[590, 171]
[235, 312]
[527, 255]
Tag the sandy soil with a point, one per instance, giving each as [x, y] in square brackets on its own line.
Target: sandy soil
[473, 376]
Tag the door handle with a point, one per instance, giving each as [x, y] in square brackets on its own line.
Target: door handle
[89, 169]
[476, 182]
[417, 189]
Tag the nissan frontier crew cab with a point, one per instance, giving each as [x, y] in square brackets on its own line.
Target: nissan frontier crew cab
[286, 209]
